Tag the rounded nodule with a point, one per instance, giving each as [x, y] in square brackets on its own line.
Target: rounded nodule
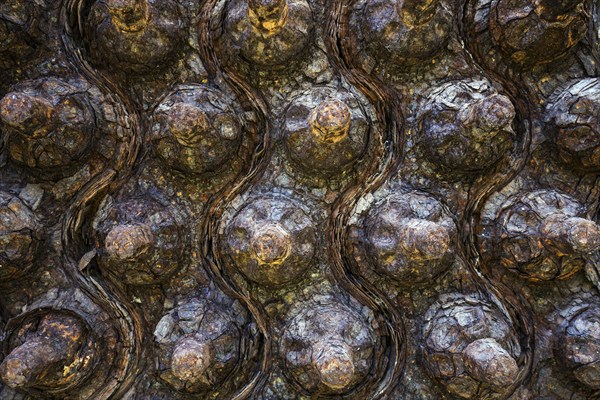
[424, 240]
[187, 122]
[488, 362]
[417, 12]
[128, 241]
[29, 115]
[334, 363]
[490, 115]
[53, 346]
[330, 121]
[129, 15]
[268, 15]
[571, 235]
[272, 244]
[191, 359]
[555, 8]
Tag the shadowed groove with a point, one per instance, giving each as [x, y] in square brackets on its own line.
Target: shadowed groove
[387, 157]
[516, 306]
[215, 263]
[85, 203]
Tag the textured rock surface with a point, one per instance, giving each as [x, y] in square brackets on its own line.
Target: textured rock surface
[299, 199]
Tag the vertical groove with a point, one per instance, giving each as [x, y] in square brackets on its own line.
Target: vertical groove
[387, 157]
[221, 201]
[519, 309]
[85, 202]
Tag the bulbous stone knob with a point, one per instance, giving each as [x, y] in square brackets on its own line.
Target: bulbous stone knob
[424, 240]
[191, 358]
[404, 33]
[267, 33]
[27, 114]
[579, 345]
[139, 241]
[410, 237]
[198, 130]
[272, 241]
[199, 345]
[19, 237]
[488, 116]
[49, 124]
[128, 241]
[44, 354]
[555, 8]
[573, 123]
[134, 36]
[466, 127]
[188, 123]
[571, 235]
[328, 348]
[330, 121]
[272, 244]
[333, 361]
[129, 15]
[19, 35]
[487, 361]
[537, 32]
[415, 13]
[543, 235]
[326, 132]
[470, 347]
[268, 16]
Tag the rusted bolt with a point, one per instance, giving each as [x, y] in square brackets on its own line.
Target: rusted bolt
[487, 361]
[43, 355]
[330, 121]
[26, 114]
[128, 241]
[129, 15]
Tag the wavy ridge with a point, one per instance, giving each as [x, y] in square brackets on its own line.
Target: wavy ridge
[85, 203]
[388, 156]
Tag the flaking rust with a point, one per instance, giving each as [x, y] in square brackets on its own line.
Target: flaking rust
[299, 199]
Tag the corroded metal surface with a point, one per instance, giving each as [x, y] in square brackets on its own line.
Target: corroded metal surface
[299, 199]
